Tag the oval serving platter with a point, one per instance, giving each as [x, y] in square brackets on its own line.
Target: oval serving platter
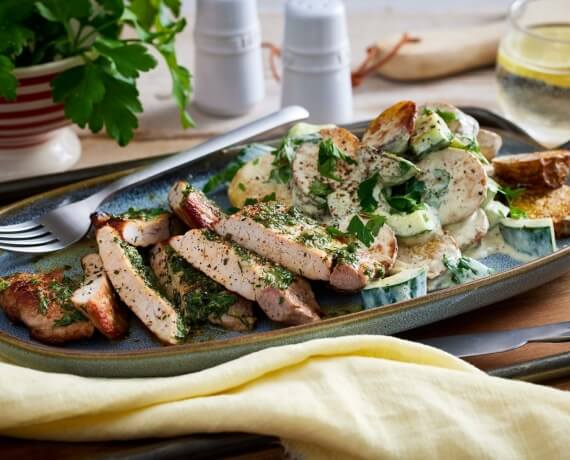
[139, 355]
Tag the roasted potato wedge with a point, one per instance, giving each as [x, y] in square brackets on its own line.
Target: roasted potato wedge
[392, 129]
[538, 170]
[550, 203]
[252, 181]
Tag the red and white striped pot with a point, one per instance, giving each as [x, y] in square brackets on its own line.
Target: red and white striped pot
[34, 139]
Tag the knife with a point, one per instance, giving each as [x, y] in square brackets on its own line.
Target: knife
[495, 342]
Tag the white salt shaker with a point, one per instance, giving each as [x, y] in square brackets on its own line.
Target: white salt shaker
[228, 66]
[316, 60]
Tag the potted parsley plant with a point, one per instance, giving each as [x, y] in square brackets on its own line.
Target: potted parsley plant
[69, 61]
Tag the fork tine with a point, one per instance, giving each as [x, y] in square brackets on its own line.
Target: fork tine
[49, 238]
[42, 249]
[29, 225]
[24, 235]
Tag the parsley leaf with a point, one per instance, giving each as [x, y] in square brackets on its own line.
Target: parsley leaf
[80, 88]
[129, 60]
[364, 232]
[13, 38]
[511, 194]
[63, 11]
[366, 193]
[281, 172]
[265, 199]
[117, 109]
[329, 155]
[320, 189]
[8, 83]
[407, 197]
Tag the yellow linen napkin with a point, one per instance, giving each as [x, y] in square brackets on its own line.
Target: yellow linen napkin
[357, 397]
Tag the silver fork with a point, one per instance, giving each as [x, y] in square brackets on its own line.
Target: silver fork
[67, 224]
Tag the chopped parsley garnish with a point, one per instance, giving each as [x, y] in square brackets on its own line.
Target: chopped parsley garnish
[242, 187]
[69, 317]
[278, 277]
[4, 284]
[265, 199]
[320, 189]
[43, 303]
[407, 197]
[144, 214]
[62, 291]
[284, 154]
[470, 145]
[366, 193]
[364, 232]
[225, 175]
[510, 195]
[329, 156]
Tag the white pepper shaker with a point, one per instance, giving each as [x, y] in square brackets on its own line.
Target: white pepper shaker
[228, 66]
[316, 60]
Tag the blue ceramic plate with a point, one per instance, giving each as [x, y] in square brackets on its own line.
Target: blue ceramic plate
[141, 355]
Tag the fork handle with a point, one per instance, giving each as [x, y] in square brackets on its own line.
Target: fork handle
[235, 136]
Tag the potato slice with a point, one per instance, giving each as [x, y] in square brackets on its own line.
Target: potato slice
[456, 183]
[305, 170]
[548, 169]
[550, 203]
[252, 181]
[490, 143]
[392, 129]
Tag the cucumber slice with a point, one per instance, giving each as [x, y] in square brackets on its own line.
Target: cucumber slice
[534, 237]
[459, 271]
[496, 212]
[431, 134]
[405, 285]
[415, 223]
[304, 129]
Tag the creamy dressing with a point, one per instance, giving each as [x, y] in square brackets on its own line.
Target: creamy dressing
[493, 243]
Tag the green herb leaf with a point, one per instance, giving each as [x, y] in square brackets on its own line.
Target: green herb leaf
[8, 82]
[320, 189]
[329, 155]
[365, 232]
[117, 109]
[180, 76]
[447, 116]
[242, 187]
[4, 284]
[225, 175]
[407, 197]
[43, 303]
[79, 88]
[375, 223]
[63, 11]
[129, 60]
[511, 194]
[13, 38]
[366, 193]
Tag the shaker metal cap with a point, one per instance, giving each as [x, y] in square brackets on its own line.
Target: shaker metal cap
[315, 26]
[224, 18]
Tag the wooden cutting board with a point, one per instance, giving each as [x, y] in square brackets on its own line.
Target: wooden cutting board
[439, 52]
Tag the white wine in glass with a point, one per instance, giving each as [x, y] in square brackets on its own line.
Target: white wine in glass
[533, 69]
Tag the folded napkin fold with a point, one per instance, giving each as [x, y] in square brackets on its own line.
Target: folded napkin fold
[357, 397]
